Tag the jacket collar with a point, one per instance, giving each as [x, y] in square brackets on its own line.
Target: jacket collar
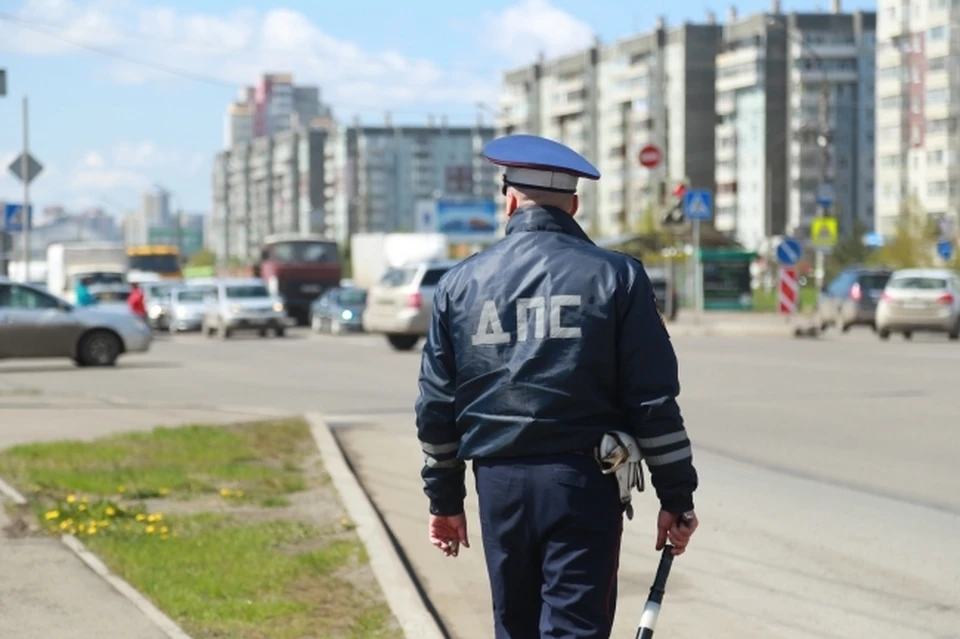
[544, 218]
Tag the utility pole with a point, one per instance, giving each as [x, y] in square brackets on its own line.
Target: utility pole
[824, 139]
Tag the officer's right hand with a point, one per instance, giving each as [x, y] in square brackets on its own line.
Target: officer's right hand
[676, 529]
[448, 532]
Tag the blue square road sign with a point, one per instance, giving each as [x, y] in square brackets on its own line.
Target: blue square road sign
[698, 204]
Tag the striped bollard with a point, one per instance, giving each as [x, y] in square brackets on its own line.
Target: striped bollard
[788, 291]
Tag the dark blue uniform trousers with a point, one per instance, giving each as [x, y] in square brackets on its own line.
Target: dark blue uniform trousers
[551, 530]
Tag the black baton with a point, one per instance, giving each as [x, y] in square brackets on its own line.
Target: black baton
[651, 609]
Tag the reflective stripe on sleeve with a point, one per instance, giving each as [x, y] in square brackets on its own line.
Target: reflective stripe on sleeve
[669, 458]
[439, 449]
[662, 440]
[431, 462]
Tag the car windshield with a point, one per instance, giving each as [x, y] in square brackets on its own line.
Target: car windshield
[398, 277]
[193, 295]
[303, 251]
[874, 281]
[352, 297]
[155, 263]
[157, 290]
[101, 279]
[918, 283]
[247, 291]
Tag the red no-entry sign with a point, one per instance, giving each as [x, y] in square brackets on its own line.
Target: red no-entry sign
[650, 156]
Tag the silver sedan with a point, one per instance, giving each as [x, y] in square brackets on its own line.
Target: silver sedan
[35, 324]
[920, 300]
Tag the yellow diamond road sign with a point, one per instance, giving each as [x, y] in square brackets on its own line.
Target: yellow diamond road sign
[823, 232]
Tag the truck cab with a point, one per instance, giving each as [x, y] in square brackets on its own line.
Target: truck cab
[299, 268]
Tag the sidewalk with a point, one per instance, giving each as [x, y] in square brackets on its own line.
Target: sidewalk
[735, 324]
[47, 592]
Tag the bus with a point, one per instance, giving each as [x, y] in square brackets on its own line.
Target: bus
[162, 259]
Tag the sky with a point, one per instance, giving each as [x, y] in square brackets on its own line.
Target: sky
[128, 94]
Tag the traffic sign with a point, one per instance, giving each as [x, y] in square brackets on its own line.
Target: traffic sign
[945, 248]
[825, 195]
[33, 168]
[650, 156]
[698, 204]
[823, 232]
[13, 218]
[789, 252]
[788, 291]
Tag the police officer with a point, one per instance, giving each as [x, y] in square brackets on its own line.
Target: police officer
[537, 347]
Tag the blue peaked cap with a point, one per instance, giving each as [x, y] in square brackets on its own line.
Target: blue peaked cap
[538, 162]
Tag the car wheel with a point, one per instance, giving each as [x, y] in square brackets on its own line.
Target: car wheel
[883, 334]
[335, 327]
[99, 348]
[316, 324]
[262, 332]
[907, 335]
[222, 331]
[845, 328]
[280, 331]
[403, 342]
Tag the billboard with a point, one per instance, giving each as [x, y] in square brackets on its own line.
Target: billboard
[467, 218]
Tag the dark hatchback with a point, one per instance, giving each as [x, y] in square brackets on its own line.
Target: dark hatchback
[851, 298]
[339, 310]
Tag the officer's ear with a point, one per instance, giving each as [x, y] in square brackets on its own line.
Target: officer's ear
[511, 201]
[574, 204]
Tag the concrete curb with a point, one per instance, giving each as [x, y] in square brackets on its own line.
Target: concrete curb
[162, 621]
[397, 584]
[12, 493]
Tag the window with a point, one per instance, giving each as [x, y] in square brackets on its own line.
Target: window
[246, 292]
[397, 277]
[918, 283]
[194, 294]
[432, 276]
[937, 33]
[352, 296]
[14, 296]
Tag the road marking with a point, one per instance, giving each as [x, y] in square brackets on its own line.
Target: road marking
[12, 493]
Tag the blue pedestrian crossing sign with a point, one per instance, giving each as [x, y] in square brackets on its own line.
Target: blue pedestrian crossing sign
[698, 204]
[789, 252]
[945, 249]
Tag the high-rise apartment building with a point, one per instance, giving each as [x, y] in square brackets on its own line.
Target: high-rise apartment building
[378, 174]
[274, 105]
[775, 144]
[918, 105]
[270, 184]
[608, 102]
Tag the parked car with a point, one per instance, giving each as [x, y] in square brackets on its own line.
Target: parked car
[920, 300]
[399, 305]
[35, 324]
[157, 301]
[339, 310]
[186, 306]
[243, 305]
[851, 298]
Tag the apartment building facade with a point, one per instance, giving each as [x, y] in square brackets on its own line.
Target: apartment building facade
[270, 184]
[918, 106]
[378, 174]
[779, 135]
[608, 102]
[275, 104]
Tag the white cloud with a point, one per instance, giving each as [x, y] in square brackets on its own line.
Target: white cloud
[523, 30]
[235, 47]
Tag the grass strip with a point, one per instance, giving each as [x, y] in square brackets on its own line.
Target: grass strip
[232, 531]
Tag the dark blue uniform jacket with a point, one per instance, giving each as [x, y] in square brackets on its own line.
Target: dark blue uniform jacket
[539, 345]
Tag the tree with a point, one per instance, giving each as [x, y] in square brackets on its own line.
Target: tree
[203, 258]
[913, 244]
[849, 251]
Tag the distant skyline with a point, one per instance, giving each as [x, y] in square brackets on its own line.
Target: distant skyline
[125, 94]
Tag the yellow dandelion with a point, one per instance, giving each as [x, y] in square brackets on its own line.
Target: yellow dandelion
[81, 527]
[121, 489]
[92, 531]
[141, 517]
[103, 523]
[224, 492]
[239, 493]
[73, 531]
[110, 511]
[155, 517]
[71, 499]
[164, 530]
[83, 500]
[164, 491]
[66, 524]
[51, 514]
[82, 507]
[150, 529]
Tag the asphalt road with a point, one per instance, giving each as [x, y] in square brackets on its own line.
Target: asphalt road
[831, 486]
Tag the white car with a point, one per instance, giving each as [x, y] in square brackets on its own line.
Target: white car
[35, 324]
[243, 305]
[920, 300]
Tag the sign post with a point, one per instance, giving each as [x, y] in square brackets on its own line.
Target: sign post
[945, 248]
[825, 197]
[26, 169]
[788, 256]
[823, 236]
[697, 207]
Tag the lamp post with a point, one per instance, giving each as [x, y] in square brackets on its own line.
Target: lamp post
[824, 132]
